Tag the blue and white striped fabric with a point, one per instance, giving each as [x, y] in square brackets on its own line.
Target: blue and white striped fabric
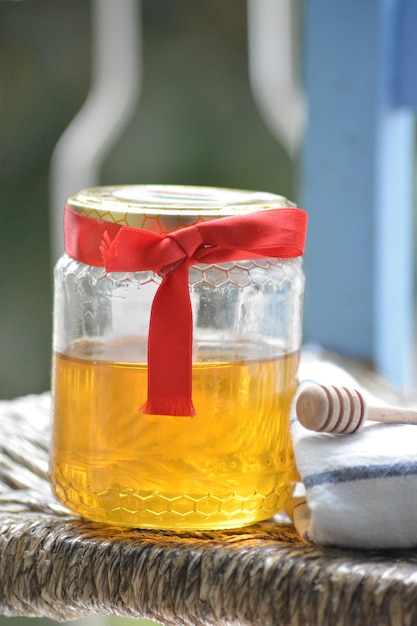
[360, 489]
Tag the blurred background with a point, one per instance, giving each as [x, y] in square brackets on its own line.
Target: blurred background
[195, 123]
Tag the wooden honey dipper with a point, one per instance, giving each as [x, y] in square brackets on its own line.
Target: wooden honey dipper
[341, 410]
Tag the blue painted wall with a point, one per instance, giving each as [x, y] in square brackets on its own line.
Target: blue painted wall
[357, 184]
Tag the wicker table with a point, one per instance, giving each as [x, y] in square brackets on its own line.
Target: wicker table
[56, 565]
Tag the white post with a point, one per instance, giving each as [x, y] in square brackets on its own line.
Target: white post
[113, 96]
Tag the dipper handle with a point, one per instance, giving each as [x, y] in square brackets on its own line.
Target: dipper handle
[343, 410]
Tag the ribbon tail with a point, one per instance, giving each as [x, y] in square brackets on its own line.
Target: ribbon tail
[170, 348]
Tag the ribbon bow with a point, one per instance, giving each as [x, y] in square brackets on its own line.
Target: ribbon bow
[278, 233]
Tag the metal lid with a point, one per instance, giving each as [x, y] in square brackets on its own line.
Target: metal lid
[164, 208]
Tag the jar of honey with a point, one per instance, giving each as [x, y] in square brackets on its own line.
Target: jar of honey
[177, 330]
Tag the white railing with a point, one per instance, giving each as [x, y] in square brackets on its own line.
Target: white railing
[116, 70]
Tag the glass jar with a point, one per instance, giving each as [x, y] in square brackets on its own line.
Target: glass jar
[229, 464]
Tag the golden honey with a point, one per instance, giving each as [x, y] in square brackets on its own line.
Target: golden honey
[229, 465]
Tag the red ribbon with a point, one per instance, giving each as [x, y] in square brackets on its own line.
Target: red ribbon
[278, 233]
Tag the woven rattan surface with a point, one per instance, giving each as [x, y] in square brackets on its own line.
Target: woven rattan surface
[56, 565]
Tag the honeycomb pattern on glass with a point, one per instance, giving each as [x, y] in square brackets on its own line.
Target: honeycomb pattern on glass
[157, 509]
[265, 275]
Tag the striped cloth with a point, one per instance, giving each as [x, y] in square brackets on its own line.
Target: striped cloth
[358, 490]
